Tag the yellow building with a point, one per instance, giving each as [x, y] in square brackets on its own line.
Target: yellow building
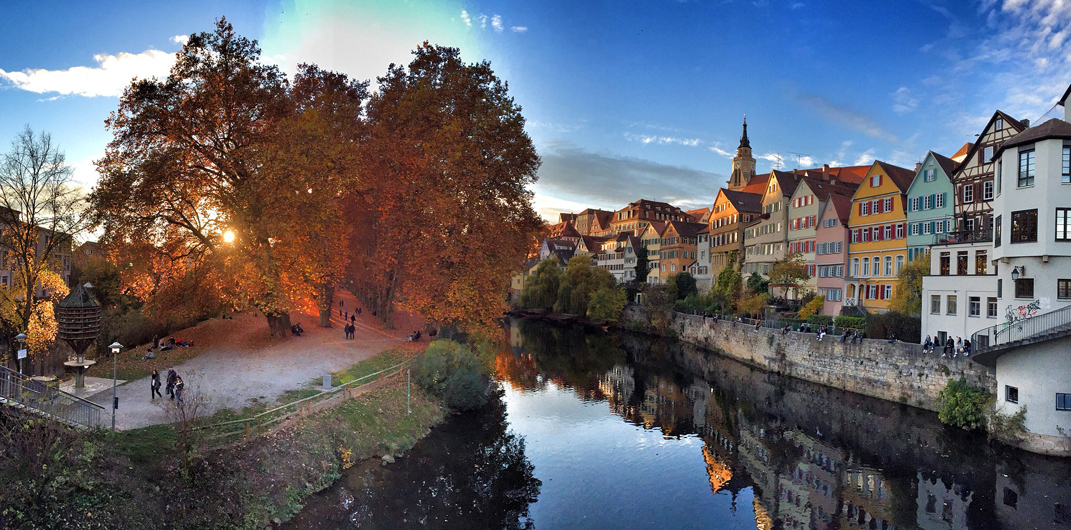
[651, 239]
[877, 236]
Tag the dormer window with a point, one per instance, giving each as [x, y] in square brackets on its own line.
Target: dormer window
[875, 181]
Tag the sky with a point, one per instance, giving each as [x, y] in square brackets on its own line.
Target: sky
[623, 99]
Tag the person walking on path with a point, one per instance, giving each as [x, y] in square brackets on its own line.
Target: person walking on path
[154, 385]
[179, 387]
[172, 376]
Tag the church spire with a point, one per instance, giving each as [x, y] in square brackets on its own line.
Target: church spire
[743, 137]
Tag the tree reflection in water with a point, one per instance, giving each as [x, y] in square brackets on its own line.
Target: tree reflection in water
[470, 473]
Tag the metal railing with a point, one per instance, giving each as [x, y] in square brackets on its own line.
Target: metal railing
[256, 425]
[23, 391]
[1012, 332]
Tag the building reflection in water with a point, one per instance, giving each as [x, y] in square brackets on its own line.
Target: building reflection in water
[814, 457]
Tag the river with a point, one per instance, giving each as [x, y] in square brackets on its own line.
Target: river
[625, 431]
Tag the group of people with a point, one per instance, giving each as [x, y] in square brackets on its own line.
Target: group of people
[175, 386]
[414, 336]
[297, 330]
[951, 347]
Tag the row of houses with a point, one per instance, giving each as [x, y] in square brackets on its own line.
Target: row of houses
[855, 227]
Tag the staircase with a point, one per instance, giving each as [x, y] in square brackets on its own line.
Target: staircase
[23, 392]
[990, 342]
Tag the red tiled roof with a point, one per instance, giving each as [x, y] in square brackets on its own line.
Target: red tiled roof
[744, 201]
[686, 229]
[900, 176]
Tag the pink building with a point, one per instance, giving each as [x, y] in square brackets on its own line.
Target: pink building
[831, 251]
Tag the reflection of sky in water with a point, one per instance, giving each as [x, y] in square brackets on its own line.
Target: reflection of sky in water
[599, 471]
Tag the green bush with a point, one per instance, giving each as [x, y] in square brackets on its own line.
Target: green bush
[454, 372]
[961, 405]
[820, 320]
[850, 322]
[906, 328]
[607, 304]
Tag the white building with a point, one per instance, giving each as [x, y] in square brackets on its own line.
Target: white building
[959, 297]
[1031, 348]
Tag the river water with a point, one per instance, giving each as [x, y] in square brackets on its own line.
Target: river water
[623, 431]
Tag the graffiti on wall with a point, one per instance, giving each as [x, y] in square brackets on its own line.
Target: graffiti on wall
[1015, 314]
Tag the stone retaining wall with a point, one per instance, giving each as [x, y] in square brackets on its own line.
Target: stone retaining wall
[891, 371]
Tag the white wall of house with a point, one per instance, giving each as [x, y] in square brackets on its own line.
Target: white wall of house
[1021, 369]
[973, 292]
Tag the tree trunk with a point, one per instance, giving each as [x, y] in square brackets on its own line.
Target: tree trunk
[278, 324]
[325, 302]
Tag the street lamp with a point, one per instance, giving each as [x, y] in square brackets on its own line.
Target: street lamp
[115, 347]
[1016, 271]
[21, 337]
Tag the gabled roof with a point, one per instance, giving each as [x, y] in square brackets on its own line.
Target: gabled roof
[786, 182]
[900, 176]
[699, 215]
[659, 227]
[592, 242]
[603, 218]
[566, 217]
[757, 184]
[822, 188]
[961, 155]
[843, 205]
[686, 229]
[743, 201]
[1016, 124]
[947, 164]
[553, 244]
[1054, 128]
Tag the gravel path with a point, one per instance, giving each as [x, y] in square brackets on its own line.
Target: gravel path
[233, 374]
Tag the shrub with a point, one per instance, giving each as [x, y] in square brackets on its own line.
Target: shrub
[850, 322]
[454, 372]
[961, 405]
[820, 320]
[812, 308]
[906, 328]
[607, 304]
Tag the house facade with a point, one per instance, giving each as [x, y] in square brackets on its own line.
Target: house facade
[732, 213]
[973, 180]
[651, 240]
[878, 243]
[930, 204]
[766, 241]
[831, 252]
[679, 245]
[635, 217]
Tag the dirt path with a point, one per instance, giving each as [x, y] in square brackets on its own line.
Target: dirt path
[243, 366]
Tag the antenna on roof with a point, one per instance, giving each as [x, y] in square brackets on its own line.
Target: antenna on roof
[799, 157]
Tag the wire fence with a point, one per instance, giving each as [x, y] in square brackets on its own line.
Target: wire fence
[44, 399]
[253, 426]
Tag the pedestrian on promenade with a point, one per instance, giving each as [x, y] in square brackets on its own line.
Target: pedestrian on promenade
[345, 316]
[359, 311]
[353, 318]
[950, 346]
[172, 376]
[341, 303]
[179, 387]
[959, 346]
[966, 347]
[154, 385]
[927, 345]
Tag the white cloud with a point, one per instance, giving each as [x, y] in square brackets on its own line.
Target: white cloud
[903, 101]
[864, 159]
[775, 159]
[721, 151]
[496, 22]
[483, 21]
[663, 140]
[465, 17]
[181, 40]
[519, 29]
[110, 77]
[846, 117]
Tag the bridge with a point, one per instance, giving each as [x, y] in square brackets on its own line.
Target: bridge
[990, 343]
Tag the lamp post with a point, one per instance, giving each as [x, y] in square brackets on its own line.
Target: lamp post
[115, 347]
[21, 337]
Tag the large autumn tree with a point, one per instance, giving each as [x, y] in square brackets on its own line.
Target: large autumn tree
[448, 217]
[225, 146]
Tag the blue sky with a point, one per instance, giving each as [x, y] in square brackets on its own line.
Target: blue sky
[623, 99]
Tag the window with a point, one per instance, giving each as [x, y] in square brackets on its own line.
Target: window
[1024, 226]
[887, 204]
[946, 263]
[939, 200]
[961, 262]
[1026, 168]
[913, 229]
[996, 233]
[1063, 289]
[1024, 288]
[1065, 175]
[987, 154]
[855, 267]
[875, 181]
[1011, 394]
[951, 304]
[935, 304]
[1000, 288]
[974, 306]
[987, 190]
[888, 266]
[968, 193]
[899, 263]
[927, 202]
[1063, 401]
[914, 204]
[928, 176]
[866, 267]
[1063, 224]
[888, 232]
[981, 262]
[991, 307]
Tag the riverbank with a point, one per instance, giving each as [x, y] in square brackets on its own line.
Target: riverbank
[149, 479]
[897, 372]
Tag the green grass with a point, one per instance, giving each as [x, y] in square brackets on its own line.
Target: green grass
[146, 446]
[382, 360]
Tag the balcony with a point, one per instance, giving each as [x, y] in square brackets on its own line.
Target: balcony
[982, 235]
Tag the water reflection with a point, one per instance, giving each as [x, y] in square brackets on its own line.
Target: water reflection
[471, 473]
[811, 457]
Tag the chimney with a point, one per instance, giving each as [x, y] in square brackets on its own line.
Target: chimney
[918, 166]
[1026, 123]
[825, 171]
